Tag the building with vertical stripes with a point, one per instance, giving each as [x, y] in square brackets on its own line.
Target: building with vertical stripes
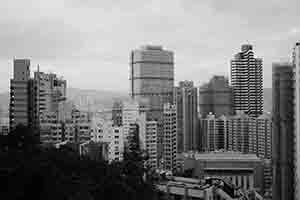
[296, 64]
[152, 77]
[19, 108]
[283, 131]
[169, 137]
[213, 132]
[185, 99]
[247, 82]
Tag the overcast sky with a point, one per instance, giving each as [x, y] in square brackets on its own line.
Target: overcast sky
[89, 41]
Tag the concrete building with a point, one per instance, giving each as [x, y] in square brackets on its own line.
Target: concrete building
[19, 94]
[185, 99]
[131, 112]
[260, 136]
[283, 131]
[296, 63]
[117, 113]
[148, 140]
[105, 131]
[4, 125]
[213, 131]
[49, 92]
[238, 133]
[169, 137]
[247, 82]
[216, 97]
[250, 135]
[243, 170]
[76, 129]
[152, 77]
[94, 150]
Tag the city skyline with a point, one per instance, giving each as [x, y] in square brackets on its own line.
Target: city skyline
[56, 37]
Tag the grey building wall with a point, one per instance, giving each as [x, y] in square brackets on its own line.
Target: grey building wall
[215, 97]
[152, 77]
[283, 128]
[185, 99]
[19, 93]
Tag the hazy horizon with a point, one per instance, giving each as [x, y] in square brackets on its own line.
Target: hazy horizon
[89, 42]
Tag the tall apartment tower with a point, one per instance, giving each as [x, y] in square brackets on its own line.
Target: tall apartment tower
[238, 133]
[283, 131]
[260, 136]
[213, 131]
[50, 92]
[296, 63]
[169, 137]
[247, 82]
[152, 77]
[215, 97]
[20, 94]
[185, 99]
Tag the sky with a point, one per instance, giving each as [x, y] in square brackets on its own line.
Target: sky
[88, 42]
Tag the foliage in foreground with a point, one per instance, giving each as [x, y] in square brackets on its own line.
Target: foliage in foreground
[30, 172]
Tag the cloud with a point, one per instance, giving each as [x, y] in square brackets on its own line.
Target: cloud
[45, 39]
[93, 38]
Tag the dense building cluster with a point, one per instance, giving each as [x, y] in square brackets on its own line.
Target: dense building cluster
[218, 129]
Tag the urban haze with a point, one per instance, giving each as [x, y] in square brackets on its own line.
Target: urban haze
[180, 99]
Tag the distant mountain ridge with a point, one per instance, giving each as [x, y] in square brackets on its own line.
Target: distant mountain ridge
[100, 99]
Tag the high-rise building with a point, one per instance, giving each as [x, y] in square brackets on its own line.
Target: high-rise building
[260, 136]
[49, 93]
[213, 131]
[185, 99]
[296, 63]
[19, 94]
[238, 133]
[169, 137]
[215, 97]
[250, 135]
[152, 77]
[247, 82]
[139, 132]
[283, 131]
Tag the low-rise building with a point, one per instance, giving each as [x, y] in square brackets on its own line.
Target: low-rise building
[243, 170]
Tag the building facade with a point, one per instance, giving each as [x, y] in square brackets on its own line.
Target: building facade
[49, 92]
[185, 99]
[213, 132]
[243, 170]
[19, 111]
[247, 82]
[260, 136]
[296, 63]
[76, 129]
[117, 113]
[283, 131]
[106, 132]
[169, 137]
[152, 77]
[215, 97]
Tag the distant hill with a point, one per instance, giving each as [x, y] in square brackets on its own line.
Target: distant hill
[268, 99]
[94, 99]
[98, 99]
